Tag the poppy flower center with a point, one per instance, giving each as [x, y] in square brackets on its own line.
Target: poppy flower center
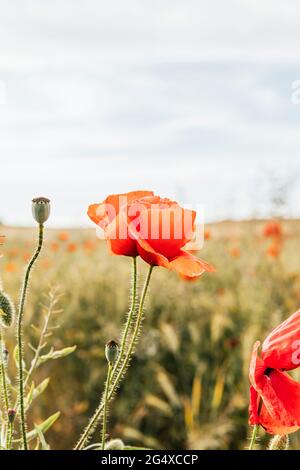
[268, 371]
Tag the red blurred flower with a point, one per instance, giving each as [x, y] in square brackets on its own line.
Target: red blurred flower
[54, 246]
[207, 235]
[157, 229]
[63, 236]
[272, 228]
[274, 395]
[72, 247]
[235, 252]
[274, 250]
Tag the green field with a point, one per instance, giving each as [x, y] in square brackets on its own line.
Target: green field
[187, 386]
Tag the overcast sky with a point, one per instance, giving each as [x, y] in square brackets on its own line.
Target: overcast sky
[189, 98]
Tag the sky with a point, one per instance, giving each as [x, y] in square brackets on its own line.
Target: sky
[191, 99]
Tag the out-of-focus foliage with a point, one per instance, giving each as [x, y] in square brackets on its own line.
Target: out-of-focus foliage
[188, 384]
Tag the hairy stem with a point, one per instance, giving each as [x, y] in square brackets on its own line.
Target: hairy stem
[94, 420]
[3, 376]
[130, 314]
[20, 336]
[253, 437]
[9, 436]
[5, 393]
[107, 385]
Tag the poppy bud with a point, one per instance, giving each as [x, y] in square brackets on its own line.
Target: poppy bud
[115, 444]
[40, 209]
[7, 310]
[111, 351]
[11, 413]
[279, 442]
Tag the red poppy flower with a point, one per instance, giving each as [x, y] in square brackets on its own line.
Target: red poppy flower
[157, 229]
[274, 249]
[274, 395]
[272, 229]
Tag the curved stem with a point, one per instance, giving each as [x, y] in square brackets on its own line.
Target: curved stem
[107, 384]
[134, 335]
[253, 437]
[20, 336]
[91, 426]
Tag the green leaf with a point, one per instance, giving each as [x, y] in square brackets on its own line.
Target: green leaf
[42, 439]
[29, 397]
[36, 391]
[52, 354]
[43, 427]
[16, 358]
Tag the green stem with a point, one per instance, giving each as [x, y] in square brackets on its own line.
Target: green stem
[3, 377]
[20, 336]
[3, 372]
[91, 426]
[9, 436]
[255, 428]
[134, 335]
[253, 437]
[130, 314]
[107, 385]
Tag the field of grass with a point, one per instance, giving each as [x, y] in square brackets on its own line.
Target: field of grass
[188, 384]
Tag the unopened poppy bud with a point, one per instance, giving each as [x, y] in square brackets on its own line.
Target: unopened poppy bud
[279, 442]
[111, 351]
[11, 413]
[40, 209]
[115, 444]
[7, 310]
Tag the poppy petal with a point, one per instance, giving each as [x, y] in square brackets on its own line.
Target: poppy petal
[105, 212]
[280, 411]
[257, 366]
[118, 240]
[189, 266]
[281, 349]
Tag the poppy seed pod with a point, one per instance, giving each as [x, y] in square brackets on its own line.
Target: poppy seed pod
[40, 209]
[111, 351]
[7, 310]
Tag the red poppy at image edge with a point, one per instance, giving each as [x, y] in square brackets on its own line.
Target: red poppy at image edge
[158, 250]
[274, 395]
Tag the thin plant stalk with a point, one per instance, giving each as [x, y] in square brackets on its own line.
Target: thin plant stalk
[23, 425]
[253, 437]
[105, 404]
[9, 435]
[3, 376]
[134, 335]
[130, 314]
[255, 428]
[3, 372]
[93, 422]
